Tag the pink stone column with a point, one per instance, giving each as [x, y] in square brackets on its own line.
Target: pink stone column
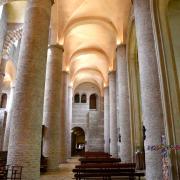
[51, 114]
[113, 115]
[152, 113]
[106, 120]
[123, 104]
[25, 132]
[2, 74]
[70, 94]
[64, 124]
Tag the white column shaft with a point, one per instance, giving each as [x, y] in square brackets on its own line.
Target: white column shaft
[123, 104]
[25, 133]
[70, 91]
[51, 113]
[113, 115]
[152, 113]
[106, 121]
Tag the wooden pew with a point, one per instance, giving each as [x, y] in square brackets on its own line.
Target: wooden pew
[106, 165]
[3, 157]
[108, 175]
[3, 171]
[8, 171]
[106, 170]
[99, 160]
[95, 154]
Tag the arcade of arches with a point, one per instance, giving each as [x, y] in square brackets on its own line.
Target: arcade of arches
[99, 75]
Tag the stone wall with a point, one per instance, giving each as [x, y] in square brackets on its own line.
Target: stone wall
[95, 136]
[90, 121]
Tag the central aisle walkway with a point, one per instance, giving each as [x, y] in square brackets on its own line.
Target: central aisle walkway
[64, 173]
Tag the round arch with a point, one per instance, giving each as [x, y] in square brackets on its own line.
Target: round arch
[105, 22]
[77, 140]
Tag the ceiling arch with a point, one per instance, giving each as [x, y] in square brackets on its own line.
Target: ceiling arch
[89, 32]
[10, 72]
[90, 71]
[89, 38]
[88, 75]
[89, 61]
[90, 80]
[104, 22]
[89, 50]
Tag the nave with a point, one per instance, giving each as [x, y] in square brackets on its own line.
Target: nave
[100, 75]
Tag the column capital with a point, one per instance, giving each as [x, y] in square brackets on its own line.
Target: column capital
[120, 46]
[56, 46]
[111, 72]
[65, 72]
[13, 83]
[52, 2]
[2, 74]
[106, 87]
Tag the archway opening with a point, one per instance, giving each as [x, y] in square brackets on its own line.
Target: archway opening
[93, 101]
[83, 98]
[76, 98]
[77, 141]
[3, 100]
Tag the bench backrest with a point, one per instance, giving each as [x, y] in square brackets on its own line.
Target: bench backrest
[107, 165]
[99, 160]
[95, 154]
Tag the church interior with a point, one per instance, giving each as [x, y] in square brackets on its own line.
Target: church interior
[94, 80]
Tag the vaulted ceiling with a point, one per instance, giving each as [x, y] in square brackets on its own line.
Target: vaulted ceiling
[89, 31]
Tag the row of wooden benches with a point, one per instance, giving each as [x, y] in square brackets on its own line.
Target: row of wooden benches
[101, 165]
[106, 171]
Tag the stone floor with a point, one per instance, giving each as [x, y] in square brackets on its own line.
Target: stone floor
[65, 172]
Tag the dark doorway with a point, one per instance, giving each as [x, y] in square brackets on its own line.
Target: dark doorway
[77, 141]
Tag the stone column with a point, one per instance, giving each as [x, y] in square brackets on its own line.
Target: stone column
[25, 133]
[106, 120]
[152, 113]
[51, 114]
[113, 115]
[64, 125]
[70, 93]
[123, 104]
[9, 118]
[2, 74]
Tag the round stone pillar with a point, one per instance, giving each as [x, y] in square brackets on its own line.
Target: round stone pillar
[70, 93]
[123, 104]
[9, 117]
[2, 74]
[25, 132]
[51, 113]
[106, 120]
[113, 115]
[152, 113]
[64, 124]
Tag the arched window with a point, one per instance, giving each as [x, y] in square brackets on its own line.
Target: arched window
[83, 98]
[92, 102]
[3, 100]
[76, 98]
